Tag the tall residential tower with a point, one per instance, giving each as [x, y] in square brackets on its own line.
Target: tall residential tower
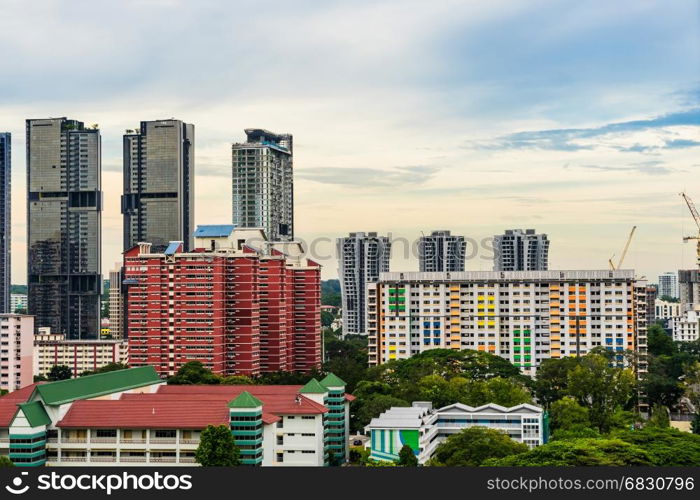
[64, 225]
[158, 200]
[519, 250]
[263, 187]
[5, 219]
[361, 257]
[441, 251]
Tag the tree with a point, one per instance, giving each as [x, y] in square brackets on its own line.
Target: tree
[659, 417]
[472, 446]
[5, 461]
[552, 379]
[237, 380]
[327, 318]
[666, 446]
[364, 410]
[568, 418]
[193, 373]
[406, 457]
[110, 367]
[59, 372]
[602, 388]
[659, 342]
[217, 448]
[578, 453]
[695, 424]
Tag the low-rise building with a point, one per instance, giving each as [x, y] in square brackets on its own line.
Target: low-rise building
[423, 429]
[53, 349]
[16, 335]
[686, 328]
[131, 418]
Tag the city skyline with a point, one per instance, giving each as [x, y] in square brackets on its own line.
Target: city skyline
[581, 142]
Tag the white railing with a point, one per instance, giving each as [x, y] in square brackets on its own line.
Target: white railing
[133, 440]
[74, 440]
[164, 459]
[132, 459]
[103, 459]
[103, 440]
[72, 459]
[187, 460]
[163, 440]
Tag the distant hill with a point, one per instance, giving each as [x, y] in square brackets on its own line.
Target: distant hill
[330, 293]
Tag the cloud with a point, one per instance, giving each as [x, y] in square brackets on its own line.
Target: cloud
[648, 168]
[368, 177]
[577, 139]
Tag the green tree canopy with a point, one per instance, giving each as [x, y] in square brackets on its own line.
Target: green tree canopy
[552, 379]
[578, 453]
[365, 409]
[406, 457]
[472, 446]
[59, 372]
[659, 417]
[193, 373]
[217, 448]
[659, 342]
[568, 418]
[666, 446]
[5, 461]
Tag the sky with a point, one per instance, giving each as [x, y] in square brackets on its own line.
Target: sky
[577, 118]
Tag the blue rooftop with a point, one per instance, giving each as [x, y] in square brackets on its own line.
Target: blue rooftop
[172, 247]
[214, 231]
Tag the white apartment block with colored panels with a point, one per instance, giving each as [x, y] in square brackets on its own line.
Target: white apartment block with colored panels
[523, 316]
[665, 310]
[423, 428]
[16, 336]
[131, 418]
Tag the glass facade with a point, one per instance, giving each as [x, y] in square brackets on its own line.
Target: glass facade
[64, 219]
[159, 184]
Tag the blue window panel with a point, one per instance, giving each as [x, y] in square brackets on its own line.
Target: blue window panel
[619, 348]
[436, 324]
[436, 341]
[426, 341]
[426, 333]
[426, 324]
[436, 332]
[608, 341]
[608, 348]
[619, 341]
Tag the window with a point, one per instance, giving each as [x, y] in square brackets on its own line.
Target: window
[106, 433]
[280, 457]
[165, 433]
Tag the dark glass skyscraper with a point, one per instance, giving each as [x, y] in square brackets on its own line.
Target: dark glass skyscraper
[158, 200]
[263, 185]
[5, 219]
[64, 223]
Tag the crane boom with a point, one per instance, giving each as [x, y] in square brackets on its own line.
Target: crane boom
[627, 246]
[693, 210]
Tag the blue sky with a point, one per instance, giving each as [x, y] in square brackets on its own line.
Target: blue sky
[577, 118]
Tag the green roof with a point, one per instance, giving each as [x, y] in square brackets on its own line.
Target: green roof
[35, 413]
[245, 400]
[90, 386]
[313, 386]
[332, 380]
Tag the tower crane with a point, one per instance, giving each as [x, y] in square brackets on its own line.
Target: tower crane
[696, 217]
[624, 251]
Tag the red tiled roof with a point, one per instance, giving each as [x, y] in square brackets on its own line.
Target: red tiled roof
[144, 413]
[350, 397]
[282, 402]
[8, 403]
[269, 418]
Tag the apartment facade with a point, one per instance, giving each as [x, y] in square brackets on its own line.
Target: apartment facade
[689, 287]
[668, 285]
[263, 183]
[441, 251]
[52, 349]
[361, 258]
[5, 220]
[158, 200]
[64, 222]
[116, 304]
[686, 327]
[523, 316]
[238, 303]
[665, 310]
[423, 429]
[130, 418]
[18, 301]
[518, 250]
[16, 336]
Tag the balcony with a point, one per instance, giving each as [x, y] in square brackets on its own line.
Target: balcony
[187, 460]
[163, 440]
[170, 460]
[73, 459]
[69, 440]
[103, 459]
[133, 440]
[132, 459]
[103, 440]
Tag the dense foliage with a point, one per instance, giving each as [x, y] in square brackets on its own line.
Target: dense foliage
[474, 445]
[217, 448]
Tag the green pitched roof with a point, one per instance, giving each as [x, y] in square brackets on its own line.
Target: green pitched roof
[332, 380]
[313, 386]
[245, 400]
[90, 386]
[35, 413]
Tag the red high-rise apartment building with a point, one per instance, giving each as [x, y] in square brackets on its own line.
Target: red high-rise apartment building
[239, 304]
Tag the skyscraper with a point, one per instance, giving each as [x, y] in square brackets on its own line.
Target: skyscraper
[5, 220]
[64, 225]
[441, 252]
[519, 250]
[668, 285]
[263, 187]
[158, 200]
[361, 257]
